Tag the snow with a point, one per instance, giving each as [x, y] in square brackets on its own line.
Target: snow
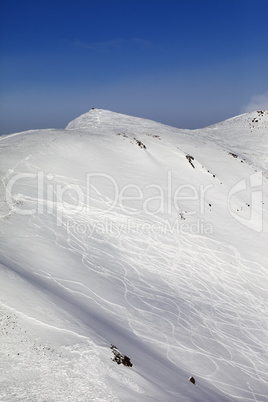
[122, 231]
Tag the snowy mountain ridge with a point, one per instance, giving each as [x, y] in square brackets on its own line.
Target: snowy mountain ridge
[252, 125]
[253, 145]
[126, 238]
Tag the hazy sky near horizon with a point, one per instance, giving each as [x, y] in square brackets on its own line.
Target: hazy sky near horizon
[188, 64]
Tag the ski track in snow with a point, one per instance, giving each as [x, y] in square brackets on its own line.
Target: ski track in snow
[199, 306]
[193, 299]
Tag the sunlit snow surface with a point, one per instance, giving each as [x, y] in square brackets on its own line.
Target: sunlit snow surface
[119, 230]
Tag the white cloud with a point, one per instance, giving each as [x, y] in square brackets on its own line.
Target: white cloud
[257, 102]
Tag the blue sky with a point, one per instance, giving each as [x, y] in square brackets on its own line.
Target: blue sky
[184, 63]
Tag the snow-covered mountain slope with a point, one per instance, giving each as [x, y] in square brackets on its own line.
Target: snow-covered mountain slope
[246, 135]
[122, 231]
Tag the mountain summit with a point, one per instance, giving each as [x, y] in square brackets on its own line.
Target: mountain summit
[133, 261]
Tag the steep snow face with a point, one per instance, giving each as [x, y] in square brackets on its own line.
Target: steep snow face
[123, 231]
[246, 135]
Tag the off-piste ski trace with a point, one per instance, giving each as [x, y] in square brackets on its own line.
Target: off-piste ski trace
[133, 261]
